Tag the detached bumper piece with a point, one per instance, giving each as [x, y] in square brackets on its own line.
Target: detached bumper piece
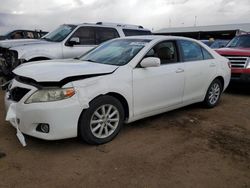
[11, 117]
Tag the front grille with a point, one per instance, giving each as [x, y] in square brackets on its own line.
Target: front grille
[237, 61]
[17, 93]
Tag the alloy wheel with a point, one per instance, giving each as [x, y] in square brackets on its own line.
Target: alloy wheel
[104, 121]
[214, 93]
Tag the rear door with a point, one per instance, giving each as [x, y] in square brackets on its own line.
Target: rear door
[200, 67]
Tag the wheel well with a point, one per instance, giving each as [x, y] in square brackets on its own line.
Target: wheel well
[221, 79]
[123, 102]
[118, 97]
[39, 59]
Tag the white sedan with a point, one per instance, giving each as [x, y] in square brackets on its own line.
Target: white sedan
[122, 80]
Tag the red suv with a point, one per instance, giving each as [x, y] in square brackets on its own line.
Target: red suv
[238, 53]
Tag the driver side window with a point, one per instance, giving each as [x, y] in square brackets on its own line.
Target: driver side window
[165, 51]
[86, 35]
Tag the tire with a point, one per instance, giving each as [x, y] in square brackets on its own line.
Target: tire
[97, 128]
[213, 94]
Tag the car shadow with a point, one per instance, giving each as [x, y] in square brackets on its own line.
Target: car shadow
[238, 88]
[33, 142]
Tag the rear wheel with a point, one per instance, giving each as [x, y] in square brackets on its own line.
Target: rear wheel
[213, 94]
[102, 121]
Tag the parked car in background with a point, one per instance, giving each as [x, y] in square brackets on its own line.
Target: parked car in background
[67, 41]
[23, 34]
[215, 44]
[207, 42]
[219, 43]
[238, 53]
[122, 80]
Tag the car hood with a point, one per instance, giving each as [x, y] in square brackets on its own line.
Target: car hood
[20, 42]
[59, 70]
[234, 51]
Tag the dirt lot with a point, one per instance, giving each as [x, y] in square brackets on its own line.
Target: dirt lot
[189, 147]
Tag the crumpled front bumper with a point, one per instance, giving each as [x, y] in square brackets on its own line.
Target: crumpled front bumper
[62, 116]
[11, 117]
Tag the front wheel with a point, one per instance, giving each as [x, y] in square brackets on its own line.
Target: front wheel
[102, 121]
[213, 94]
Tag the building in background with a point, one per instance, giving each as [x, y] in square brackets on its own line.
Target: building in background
[226, 32]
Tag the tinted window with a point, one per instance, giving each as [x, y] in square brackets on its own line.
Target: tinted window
[104, 34]
[132, 32]
[206, 54]
[86, 35]
[191, 51]
[165, 51]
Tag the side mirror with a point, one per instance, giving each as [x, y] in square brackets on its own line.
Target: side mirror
[74, 41]
[150, 62]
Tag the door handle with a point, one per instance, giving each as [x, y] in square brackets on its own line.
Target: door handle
[212, 65]
[179, 70]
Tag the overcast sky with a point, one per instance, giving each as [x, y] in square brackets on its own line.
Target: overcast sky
[156, 14]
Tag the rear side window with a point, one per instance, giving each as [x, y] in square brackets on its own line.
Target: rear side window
[133, 32]
[104, 34]
[191, 51]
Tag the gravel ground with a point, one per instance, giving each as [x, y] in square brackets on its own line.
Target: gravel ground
[189, 147]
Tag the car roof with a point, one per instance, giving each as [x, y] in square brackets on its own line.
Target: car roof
[108, 24]
[159, 37]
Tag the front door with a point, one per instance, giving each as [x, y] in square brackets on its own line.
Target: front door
[87, 42]
[155, 88]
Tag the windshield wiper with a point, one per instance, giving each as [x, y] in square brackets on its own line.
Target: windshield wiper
[90, 60]
[47, 39]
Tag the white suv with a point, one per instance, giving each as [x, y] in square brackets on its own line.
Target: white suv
[67, 41]
[122, 80]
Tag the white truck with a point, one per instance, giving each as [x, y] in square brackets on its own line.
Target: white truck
[67, 41]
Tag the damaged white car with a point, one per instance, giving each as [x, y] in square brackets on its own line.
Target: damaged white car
[122, 80]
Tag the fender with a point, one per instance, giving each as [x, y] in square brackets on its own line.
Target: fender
[36, 55]
[48, 50]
